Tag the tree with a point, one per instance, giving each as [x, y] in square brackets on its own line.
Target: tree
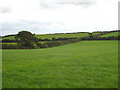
[90, 35]
[26, 39]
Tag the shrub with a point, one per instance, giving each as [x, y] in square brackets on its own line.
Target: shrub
[9, 46]
[8, 40]
[53, 43]
[42, 45]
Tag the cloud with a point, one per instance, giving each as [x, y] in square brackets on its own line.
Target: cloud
[33, 26]
[48, 16]
[78, 2]
[58, 3]
[4, 10]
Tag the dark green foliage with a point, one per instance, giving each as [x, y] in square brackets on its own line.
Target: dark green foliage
[90, 35]
[101, 38]
[42, 45]
[26, 39]
[44, 39]
[9, 46]
[53, 43]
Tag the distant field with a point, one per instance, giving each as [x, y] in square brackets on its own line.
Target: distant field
[9, 43]
[96, 33]
[50, 36]
[10, 37]
[111, 34]
[71, 35]
[86, 64]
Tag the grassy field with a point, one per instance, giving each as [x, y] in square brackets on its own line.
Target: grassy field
[50, 36]
[85, 64]
[72, 35]
[10, 37]
[8, 43]
[111, 34]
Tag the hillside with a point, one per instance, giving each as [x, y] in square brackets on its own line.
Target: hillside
[111, 34]
[85, 64]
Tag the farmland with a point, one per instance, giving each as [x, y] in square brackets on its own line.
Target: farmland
[71, 35]
[85, 64]
[50, 36]
[111, 34]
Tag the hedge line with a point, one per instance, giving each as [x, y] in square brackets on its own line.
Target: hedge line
[40, 45]
[58, 42]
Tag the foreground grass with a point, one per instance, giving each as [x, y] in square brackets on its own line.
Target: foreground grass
[86, 64]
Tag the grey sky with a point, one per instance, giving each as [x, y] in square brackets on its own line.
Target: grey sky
[57, 16]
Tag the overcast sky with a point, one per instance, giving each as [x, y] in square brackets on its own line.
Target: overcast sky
[58, 16]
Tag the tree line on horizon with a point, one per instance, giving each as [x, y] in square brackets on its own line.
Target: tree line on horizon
[27, 40]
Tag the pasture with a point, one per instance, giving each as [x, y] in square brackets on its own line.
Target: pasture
[50, 36]
[85, 64]
[111, 34]
[71, 35]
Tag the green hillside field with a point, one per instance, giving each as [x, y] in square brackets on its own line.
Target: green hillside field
[50, 36]
[85, 64]
[72, 35]
[111, 34]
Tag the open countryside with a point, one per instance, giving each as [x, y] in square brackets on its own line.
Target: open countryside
[86, 63]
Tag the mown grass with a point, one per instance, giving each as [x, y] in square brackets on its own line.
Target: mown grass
[111, 34]
[86, 64]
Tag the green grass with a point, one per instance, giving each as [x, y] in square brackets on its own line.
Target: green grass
[111, 34]
[72, 35]
[50, 36]
[94, 33]
[8, 43]
[9, 37]
[85, 64]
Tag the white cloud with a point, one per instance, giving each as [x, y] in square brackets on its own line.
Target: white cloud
[51, 16]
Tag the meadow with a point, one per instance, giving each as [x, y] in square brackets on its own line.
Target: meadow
[71, 35]
[85, 64]
[111, 34]
[50, 36]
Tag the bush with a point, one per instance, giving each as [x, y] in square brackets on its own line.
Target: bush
[9, 46]
[53, 43]
[42, 45]
[101, 38]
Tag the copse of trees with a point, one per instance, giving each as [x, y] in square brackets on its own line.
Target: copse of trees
[26, 39]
